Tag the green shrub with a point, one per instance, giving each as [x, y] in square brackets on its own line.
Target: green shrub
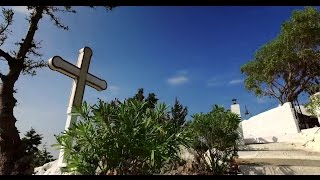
[313, 105]
[121, 138]
[215, 136]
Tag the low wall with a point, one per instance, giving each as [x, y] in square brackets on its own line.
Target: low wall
[271, 125]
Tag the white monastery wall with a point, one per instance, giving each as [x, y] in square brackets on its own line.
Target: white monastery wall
[271, 126]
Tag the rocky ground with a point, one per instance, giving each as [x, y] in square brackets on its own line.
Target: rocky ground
[50, 168]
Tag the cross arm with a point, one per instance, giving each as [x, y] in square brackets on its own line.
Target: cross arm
[58, 64]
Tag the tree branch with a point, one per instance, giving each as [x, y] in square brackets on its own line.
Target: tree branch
[6, 56]
[8, 18]
[3, 29]
[278, 84]
[298, 82]
[271, 93]
[18, 64]
[279, 89]
[3, 77]
[51, 10]
[26, 45]
[271, 90]
[303, 86]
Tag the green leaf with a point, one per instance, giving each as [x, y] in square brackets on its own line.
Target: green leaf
[152, 158]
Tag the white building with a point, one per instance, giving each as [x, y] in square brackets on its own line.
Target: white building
[279, 124]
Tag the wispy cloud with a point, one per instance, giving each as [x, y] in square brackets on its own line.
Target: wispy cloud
[212, 82]
[114, 92]
[236, 81]
[215, 81]
[21, 9]
[114, 89]
[183, 72]
[180, 78]
[177, 80]
[109, 94]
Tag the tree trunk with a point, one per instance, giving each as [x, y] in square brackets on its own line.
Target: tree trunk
[12, 160]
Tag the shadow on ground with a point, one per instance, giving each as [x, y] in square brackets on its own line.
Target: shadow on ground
[256, 169]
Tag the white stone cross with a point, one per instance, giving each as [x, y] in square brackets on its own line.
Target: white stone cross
[81, 78]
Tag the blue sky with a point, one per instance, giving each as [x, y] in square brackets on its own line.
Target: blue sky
[193, 53]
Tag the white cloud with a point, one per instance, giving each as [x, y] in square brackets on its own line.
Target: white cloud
[109, 94]
[21, 9]
[212, 82]
[236, 81]
[180, 78]
[114, 89]
[177, 80]
[183, 72]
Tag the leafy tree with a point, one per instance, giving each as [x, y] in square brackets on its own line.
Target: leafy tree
[178, 113]
[151, 100]
[31, 142]
[313, 105]
[313, 88]
[139, 96]
[290, 64]
[124, 138]
[25, 60]
[42, 157]
[215, 136]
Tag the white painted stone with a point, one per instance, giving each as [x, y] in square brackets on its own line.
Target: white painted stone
[279, 170]
[50, 168]
[187, 154]
[270, 125]
[280, 158]
[235, 108]
[311, 139]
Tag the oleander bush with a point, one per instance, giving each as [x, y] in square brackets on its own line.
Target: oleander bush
[127, 137]
[215, 137]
